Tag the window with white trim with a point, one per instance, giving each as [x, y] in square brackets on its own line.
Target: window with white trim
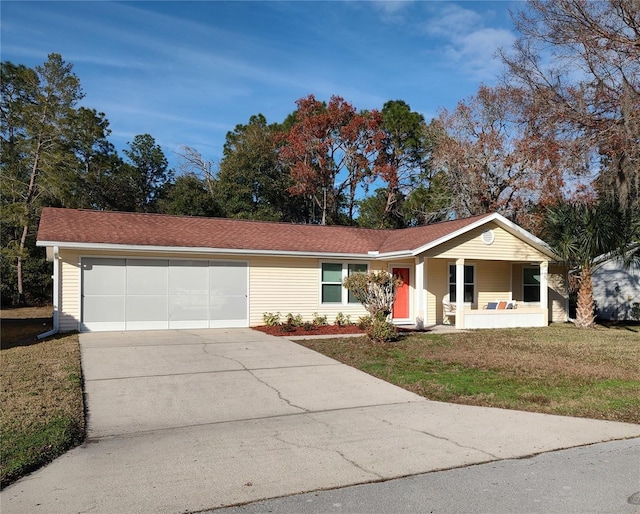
[332, 275]
[469, 283]
[531, 284]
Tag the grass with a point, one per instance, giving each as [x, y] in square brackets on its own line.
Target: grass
[556, 370]
[42, 410]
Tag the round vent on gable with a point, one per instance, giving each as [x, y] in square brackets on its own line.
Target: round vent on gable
[488, 237]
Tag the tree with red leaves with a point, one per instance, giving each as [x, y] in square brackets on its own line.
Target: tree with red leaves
[331, 150]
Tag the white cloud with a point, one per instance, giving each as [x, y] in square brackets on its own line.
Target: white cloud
[467, 41]
[477, 51]
[452, 20]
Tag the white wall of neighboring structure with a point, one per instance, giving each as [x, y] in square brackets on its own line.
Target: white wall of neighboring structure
[615, 290]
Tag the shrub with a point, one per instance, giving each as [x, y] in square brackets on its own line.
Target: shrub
[364, 322]
[318, 320]
[308, 326]
[270, 319]
[382, 331]
[342, 320]
[286, 327]
[375, 290]
[294, 321]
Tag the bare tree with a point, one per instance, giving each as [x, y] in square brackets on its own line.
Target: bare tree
[190, 161]
[580, 62]
[493, 160]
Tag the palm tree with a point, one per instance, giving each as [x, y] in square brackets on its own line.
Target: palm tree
[581, 234]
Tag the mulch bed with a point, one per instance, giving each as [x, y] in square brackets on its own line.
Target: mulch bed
[316, 330]
[319, 330]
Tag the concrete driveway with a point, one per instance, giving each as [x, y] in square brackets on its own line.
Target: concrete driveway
[182, 421]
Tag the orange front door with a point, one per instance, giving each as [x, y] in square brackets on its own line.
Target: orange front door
[401, 305]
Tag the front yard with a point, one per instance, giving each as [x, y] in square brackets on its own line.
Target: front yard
[42, 413]
[556, 370]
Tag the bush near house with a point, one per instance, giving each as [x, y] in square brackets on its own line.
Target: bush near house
[376, 291]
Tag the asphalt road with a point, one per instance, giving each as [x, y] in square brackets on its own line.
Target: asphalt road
[600, 478]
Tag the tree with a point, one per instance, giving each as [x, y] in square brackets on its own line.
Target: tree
[193, 163]
[579, 62]
[430, 202]
[188, 195]
[144, 176]
[38, 112]
[373, 210]
[85, 185]
[252, 183]
[331, 150]
[493, 160]
[581, 234]
[405, 164]
[376, 291]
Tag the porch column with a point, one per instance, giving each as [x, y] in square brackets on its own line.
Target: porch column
[460, 293]
[544, 290]
[420, 310]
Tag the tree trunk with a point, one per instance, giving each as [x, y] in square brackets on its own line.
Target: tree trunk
[27, 217]
[585, 316]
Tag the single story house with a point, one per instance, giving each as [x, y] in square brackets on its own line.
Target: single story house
[616, 290]
[134, 271]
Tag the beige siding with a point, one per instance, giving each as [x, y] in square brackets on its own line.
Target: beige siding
[505, 247]
[292, 285]
[493, 281]
[557, 294]
[282, 285]
[437, 285]
[69, 307]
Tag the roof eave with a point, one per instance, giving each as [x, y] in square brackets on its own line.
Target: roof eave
[205, 250]
[509, 226]
[402, 254]
[452, 235]
[534, 241]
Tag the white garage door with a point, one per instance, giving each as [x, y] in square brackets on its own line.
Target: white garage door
[146, 294]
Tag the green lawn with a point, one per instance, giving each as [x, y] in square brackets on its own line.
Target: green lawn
[557, 370]
[42, 413]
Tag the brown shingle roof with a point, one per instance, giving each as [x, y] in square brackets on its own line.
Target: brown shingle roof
[138, 229]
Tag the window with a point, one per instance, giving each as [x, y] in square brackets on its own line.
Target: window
[355, 268]
[531, 284]
[469, 283]
[332, 275]
[331, 282]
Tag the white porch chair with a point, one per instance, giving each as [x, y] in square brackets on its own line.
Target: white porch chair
[448, 310]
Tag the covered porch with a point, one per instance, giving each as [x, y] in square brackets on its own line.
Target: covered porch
[488, 295]
[493, 276]
[477, 293]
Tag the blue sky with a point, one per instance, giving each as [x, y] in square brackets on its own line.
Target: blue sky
[188, 72]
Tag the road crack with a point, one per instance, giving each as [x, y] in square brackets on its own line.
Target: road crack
[442, 438]
[279, 437]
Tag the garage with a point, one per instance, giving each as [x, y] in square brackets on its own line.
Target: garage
[148, 294]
